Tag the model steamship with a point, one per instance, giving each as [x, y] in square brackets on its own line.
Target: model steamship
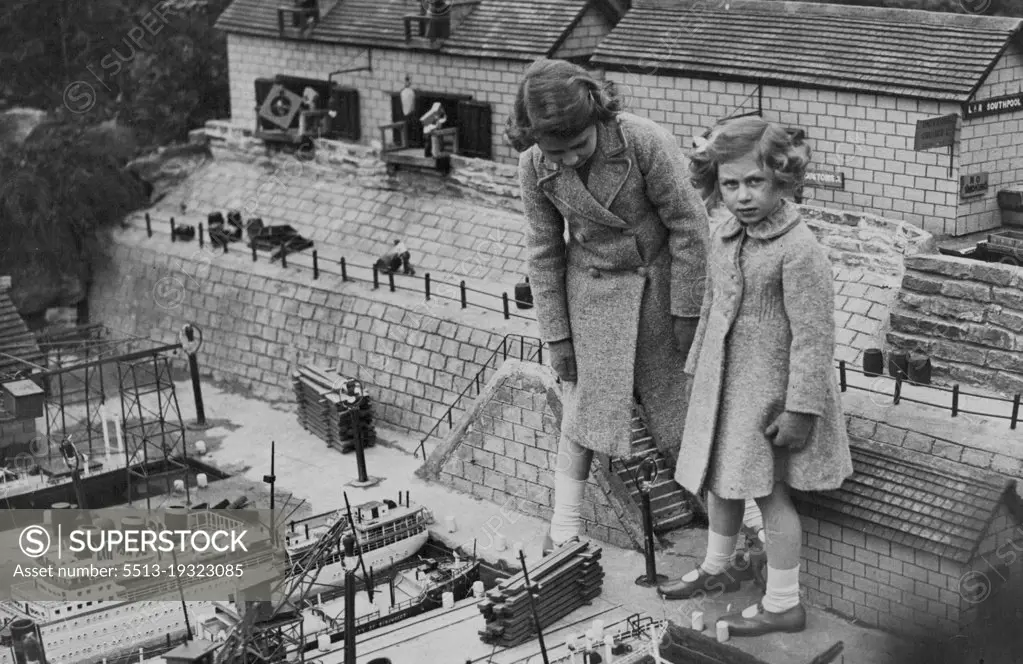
[83, 617]
[384, 533]
[410, 589]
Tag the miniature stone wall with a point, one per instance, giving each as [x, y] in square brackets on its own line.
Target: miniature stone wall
[505, 452]
[258, 320]
[967, 316]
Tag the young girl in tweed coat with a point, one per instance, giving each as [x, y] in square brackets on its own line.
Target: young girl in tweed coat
[765, 414]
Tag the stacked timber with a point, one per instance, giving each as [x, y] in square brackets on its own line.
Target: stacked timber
[561, 583]
[332, 406]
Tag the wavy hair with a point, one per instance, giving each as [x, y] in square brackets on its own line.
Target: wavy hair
[558, 99]
[785, 154]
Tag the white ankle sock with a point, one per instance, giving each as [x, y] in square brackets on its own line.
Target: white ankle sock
[568, 499]
[720, 549]
[782, 589]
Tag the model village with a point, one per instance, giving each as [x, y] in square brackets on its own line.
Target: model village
[437, 244]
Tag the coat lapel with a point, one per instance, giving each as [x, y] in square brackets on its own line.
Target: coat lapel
[607, 176]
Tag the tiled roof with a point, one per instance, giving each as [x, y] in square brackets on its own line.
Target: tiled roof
[917, 500]
[901, 52]
[515, 29]
[15, 338]
[356, 22]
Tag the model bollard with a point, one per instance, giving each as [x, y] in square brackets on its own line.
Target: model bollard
[364, 479]
[648, 473]
[360, 452]
[190, 343]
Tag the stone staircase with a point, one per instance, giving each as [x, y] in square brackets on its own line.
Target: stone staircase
[673, 507]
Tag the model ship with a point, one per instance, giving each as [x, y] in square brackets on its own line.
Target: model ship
[407, 593]
[82, 614]
[379, 535]
[412, 588]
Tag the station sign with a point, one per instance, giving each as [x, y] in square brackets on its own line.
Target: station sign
[971, 186]
[824, 179]
[993, 106]
[935, 132]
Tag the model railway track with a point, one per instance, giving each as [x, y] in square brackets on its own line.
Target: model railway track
[561, 583]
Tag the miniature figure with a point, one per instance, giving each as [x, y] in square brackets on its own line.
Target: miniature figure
[398, 257]
[432, 120]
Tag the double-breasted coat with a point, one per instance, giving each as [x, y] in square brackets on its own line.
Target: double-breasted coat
[635, 255]
[765, 344]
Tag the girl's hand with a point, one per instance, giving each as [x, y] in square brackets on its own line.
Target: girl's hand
[790, 430]
[563, 359]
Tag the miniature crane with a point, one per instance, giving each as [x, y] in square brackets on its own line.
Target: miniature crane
[240, 646]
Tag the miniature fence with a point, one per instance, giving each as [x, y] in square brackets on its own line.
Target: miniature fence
[343, 266]
[477, 381]
[955, 392]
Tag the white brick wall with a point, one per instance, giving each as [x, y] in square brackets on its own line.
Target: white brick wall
[993, 144]
[868, 137]
[487, 80]
[583, 40]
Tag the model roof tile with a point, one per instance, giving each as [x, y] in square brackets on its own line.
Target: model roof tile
[512, 29]
[917, 500]
[900, 52]
[15, 339]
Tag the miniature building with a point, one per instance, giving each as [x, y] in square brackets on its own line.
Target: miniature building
[911, 542]
[16, 341]
[468, 57]
[876, 91]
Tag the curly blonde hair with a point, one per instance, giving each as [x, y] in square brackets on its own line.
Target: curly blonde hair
[560, 100]
[785, 154]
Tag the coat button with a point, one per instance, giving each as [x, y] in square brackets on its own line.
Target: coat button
[641, 271]
[595, 273]
[581, 238]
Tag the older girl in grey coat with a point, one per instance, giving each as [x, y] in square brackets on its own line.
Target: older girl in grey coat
[765, 413]
[618, 299]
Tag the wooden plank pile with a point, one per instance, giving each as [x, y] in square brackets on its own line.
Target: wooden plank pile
[326, 409]
[562, 582]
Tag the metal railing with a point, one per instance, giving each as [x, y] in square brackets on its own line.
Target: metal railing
[425, 283]
[503, 350]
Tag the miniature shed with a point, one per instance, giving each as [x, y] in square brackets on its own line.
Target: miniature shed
[356, 55]
[913, 115]
[911, 542]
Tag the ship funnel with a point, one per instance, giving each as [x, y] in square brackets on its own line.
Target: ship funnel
[176, 517]
[25, 641]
